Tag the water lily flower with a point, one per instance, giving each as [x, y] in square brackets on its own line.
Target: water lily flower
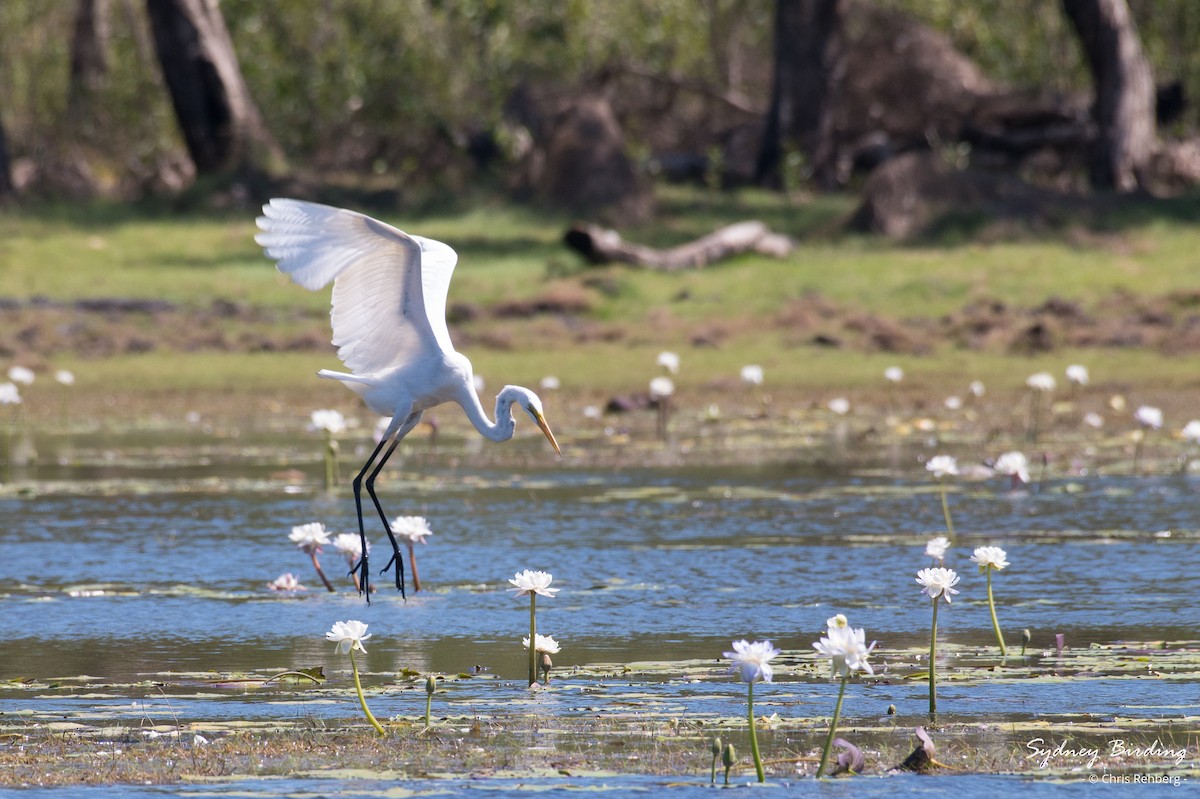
[331, 421]
[349, 636]
[1191, 431]
[752, 662]
[413, 529]
[942, 466]
[545, 643]
[992, 559]
[837, 622]
[1013, 464]
[10, 394]
[550, 383]
[1149, 416]
[989, 558]
[839, 405]
[893, 374]
[661, 388]
[21, 374]
[847, 650]
[533, 582]
[669, 361]
[953, 402]
[977, 388]
[1041, 381]
[350, 545]
[938, 582]
[936, 548]
[286, 582]
[1077, 374]
[64, 377]
[1093, 420]
[752, 374]
[310, 538]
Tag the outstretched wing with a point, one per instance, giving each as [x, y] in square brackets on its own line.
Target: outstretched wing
[389, 288]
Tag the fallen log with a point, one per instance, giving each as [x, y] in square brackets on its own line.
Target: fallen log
[601, 246]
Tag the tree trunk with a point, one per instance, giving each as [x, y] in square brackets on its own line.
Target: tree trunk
[809, 65]
[89, 58]
[221, 125]
[1124, 104]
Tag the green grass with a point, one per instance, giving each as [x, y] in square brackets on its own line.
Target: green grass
[514, 254]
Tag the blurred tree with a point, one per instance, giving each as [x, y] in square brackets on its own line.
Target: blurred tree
[809, 65]
[1123, 107]
[221, 126]
[89, 57]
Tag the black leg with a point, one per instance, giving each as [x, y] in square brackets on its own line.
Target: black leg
[361, 567]
[396, 558]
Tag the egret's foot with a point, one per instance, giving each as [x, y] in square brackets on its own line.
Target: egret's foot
[399, 561]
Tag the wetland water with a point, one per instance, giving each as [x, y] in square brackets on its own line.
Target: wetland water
[134, 577]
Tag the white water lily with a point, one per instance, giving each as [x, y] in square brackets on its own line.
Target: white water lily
[942, 466]
[847, 649]
[661, 388]
[938, 582]
[309, 537]
[412, 528]
[839, 405]
[330, 421]
[1013, 464]
[936, 547]
[21, 374]
[1191, 431]
[752, 374]
[989, 557]
[752, 661]
[545, 643]
[669, 361]
[349, 545]
[65, 377]
[10, 394]
[893, 374]
[550, 383]
[286, 582]
[1093, 420]
[977, 388]
[1077, 373]
[837, 622]
[1149, 416]
[1041, 381]
[953, 402]
[348, 635]
[533, 582]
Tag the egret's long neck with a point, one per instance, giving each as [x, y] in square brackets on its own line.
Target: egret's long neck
[500, 430]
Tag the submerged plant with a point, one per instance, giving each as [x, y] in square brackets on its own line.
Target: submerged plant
[992, 559]
[936, 584]
[943, 466]
[349, 637]
[533, 583]
[310, 538]
[752, 662]
[847, 651]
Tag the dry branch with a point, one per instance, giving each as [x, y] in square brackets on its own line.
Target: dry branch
[601, 246]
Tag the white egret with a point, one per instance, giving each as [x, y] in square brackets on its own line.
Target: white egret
[389, 325]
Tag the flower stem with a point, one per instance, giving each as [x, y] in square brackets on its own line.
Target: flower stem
[933, 661]
[995, 621]
[946, 512]
[758, 766]
[532, 638]
[362, 700]
[316, 565]
[837, 713]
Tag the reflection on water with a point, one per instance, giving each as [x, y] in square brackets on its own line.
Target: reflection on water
[127, 568]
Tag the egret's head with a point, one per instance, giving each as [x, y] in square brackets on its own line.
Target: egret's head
[532, 405]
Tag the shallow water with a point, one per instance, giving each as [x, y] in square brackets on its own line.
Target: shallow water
[134, 576]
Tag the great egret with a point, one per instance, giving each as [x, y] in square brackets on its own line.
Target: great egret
[389, 325]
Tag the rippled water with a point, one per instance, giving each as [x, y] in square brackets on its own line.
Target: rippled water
[128, 560]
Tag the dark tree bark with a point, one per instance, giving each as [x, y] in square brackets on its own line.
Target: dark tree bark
[89, 57]
[221, 125]
[809, 65]
[1124, 103]
[6, 184]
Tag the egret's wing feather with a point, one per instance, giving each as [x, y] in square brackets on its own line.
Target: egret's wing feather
[389, 290]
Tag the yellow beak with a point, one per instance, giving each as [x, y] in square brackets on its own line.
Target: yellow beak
[541, 422]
